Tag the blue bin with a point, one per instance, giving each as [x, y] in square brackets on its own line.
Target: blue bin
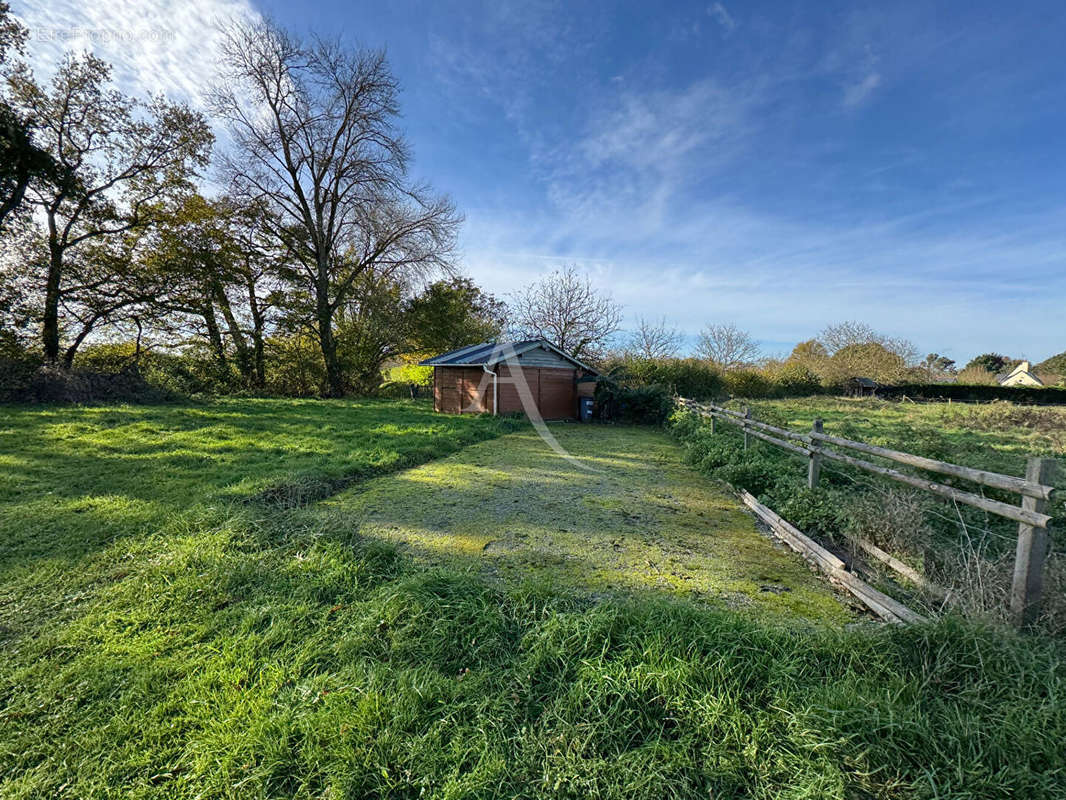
[585, 409]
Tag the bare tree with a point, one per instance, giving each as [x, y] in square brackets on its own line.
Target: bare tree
[123, 159]
[313, 126]
[845, 334]
[654, 340]
[568, 311]
[727, 346]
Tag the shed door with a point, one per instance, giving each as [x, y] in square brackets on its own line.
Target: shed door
[558, 399]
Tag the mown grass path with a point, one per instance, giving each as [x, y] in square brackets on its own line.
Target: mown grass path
[637, 520]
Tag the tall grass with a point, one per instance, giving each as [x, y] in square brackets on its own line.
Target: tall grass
[252, 661]
[966, 550]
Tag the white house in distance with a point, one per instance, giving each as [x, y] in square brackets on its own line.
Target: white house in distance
[1021, 375]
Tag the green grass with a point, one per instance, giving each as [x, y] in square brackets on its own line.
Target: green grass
[964, 549]
[164, 637]
[995, 436]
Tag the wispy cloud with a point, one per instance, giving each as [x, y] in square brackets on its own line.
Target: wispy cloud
[857, 93]
[153, 45]
[721, 15]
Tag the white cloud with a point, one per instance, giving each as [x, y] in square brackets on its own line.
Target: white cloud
[858, 92]
[167, 46]
[954, 292]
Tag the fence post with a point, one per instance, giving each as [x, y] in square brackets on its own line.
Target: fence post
[814, 461]
[747, 437]
[1032, 549]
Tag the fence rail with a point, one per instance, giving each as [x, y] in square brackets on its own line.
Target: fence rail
[1034, 488]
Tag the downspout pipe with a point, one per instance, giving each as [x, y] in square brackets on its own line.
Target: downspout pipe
[495, 390]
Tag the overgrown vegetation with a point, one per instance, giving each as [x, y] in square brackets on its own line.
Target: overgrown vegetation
[961, 548]
[159, 640]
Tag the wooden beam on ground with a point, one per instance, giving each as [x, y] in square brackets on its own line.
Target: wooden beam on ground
[906, 571]
[880, 603]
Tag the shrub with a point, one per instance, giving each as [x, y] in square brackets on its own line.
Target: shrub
[688, 377]
[642, 405]
[412, 373]
[818, 511]
[17, 366]
[746, 383]
[1034, 395]
[794, 380]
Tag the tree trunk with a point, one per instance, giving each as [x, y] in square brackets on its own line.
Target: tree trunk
[258, 325]
[50, 325]
[214, 335]
[72, 350]
[244, 358]
[324, 314]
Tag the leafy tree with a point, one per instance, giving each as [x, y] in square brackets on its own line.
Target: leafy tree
[989, 362]
[809, 351]
[315, 139]
[1056, 365]
[568, 311]
[869, 360]
[453, 313]
[21, 160]
[126, 158]
[371, 329]
[213, 268]
[727, 346]
[937, 367]
[845, 334]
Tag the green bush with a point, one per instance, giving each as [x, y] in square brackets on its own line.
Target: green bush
[747, 383]
[412, 373]
[688, 377]
[795, 380]
[17, 365]
[640, 405]
[190, 371]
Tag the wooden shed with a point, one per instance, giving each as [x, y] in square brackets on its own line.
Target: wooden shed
[485, 379]
[861, 387]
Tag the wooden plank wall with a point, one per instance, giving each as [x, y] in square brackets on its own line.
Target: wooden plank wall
[455, 389]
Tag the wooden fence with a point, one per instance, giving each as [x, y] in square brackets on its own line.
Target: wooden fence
[1031, 513]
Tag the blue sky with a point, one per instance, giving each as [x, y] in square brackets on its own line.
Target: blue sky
[780, 165]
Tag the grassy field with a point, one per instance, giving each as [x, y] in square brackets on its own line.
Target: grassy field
[995, 436]
[200, 601]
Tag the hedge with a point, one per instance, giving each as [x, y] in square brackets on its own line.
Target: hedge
[1028, 395]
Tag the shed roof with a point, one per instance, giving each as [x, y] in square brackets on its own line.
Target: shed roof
[866, 383]
[488, 353]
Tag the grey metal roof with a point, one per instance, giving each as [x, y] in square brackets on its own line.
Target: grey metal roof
[488, 353]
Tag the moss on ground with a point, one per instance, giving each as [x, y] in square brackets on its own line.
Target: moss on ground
[641, 522]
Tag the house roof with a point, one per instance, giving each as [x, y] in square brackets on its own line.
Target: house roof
[488, 353]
